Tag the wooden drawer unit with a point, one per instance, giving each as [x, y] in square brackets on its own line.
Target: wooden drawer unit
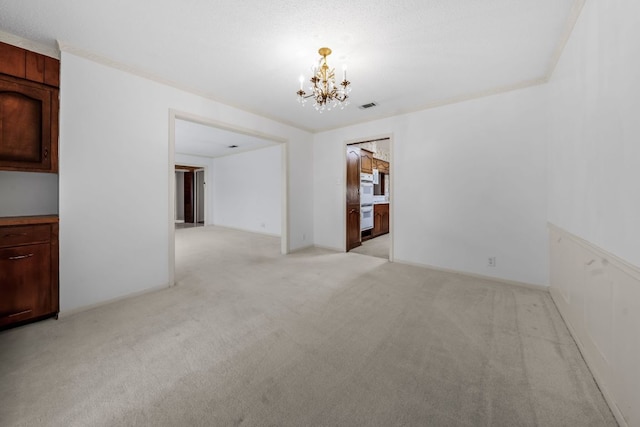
[24, 235]
[28, 269]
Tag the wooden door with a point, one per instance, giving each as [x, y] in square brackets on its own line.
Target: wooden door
[353, 197]
[188, 196]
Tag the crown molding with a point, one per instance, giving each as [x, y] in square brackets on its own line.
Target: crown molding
[94, 57]
[566, 35]
[578, 5]
[41, 48]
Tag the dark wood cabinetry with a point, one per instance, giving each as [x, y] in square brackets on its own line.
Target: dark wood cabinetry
[29, 269]
[366, 161]
[381, 165]
[353, 198]
[28, 110]
[380, 219]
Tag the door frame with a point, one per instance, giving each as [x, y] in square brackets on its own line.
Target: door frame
[284, 144]
[343, 204]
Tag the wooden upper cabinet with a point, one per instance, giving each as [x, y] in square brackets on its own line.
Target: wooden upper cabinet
[366, 161]
[28, 110]
[26, 140]
[32, 66]
[12, 60]
[51, 71]
[381, 165]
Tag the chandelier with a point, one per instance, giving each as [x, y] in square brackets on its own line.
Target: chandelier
[324, 91]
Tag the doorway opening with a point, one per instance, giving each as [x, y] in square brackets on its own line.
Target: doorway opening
[368, 196]
[244, 175]
[190, 196]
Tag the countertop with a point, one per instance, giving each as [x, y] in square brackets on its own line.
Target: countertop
[28, 220]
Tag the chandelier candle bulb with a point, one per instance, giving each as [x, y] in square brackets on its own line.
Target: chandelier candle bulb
[301, 81]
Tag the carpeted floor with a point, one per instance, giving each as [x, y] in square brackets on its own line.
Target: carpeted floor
[377, 247]
[317, 338]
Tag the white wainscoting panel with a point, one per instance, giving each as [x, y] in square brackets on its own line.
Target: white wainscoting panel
[598, 296]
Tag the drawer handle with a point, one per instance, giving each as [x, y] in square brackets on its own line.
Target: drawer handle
[19, 313]
[15, 258]
[15, 235]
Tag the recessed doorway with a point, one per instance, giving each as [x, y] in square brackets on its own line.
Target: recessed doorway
[245, 174]
[190, 196]
[368, 197]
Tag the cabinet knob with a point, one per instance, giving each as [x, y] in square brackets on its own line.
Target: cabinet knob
[46, 153]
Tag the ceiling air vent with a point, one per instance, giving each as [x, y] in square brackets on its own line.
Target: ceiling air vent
[369, 105]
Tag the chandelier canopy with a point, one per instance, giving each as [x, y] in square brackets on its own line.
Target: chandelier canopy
[324, 91]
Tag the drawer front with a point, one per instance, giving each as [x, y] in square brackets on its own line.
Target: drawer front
[24, 234]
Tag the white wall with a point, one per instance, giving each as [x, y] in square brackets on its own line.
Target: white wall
[594, 109]
[593, 196]
[248, 190]
[114, 178]
[28, 193]
[468, 183]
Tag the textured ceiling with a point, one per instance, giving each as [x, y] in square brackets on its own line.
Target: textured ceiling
[405, 55]
[208, 141]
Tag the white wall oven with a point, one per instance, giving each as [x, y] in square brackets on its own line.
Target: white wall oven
[366, 201]
[366, 217]
[366, 189]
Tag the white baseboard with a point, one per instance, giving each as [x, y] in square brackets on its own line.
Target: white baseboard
[264, 233]
[329, 248]
[67, 313]
[475, 276]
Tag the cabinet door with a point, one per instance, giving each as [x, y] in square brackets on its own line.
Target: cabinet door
[366, 165]
[353, 226]
[353, 175]
[384, 227]
[377, 222]
[25, 283]
[25, 126]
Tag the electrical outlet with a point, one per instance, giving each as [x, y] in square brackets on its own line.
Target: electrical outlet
[491, 262]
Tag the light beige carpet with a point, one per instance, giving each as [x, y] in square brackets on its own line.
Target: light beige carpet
[249, 337]
[377, 247]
